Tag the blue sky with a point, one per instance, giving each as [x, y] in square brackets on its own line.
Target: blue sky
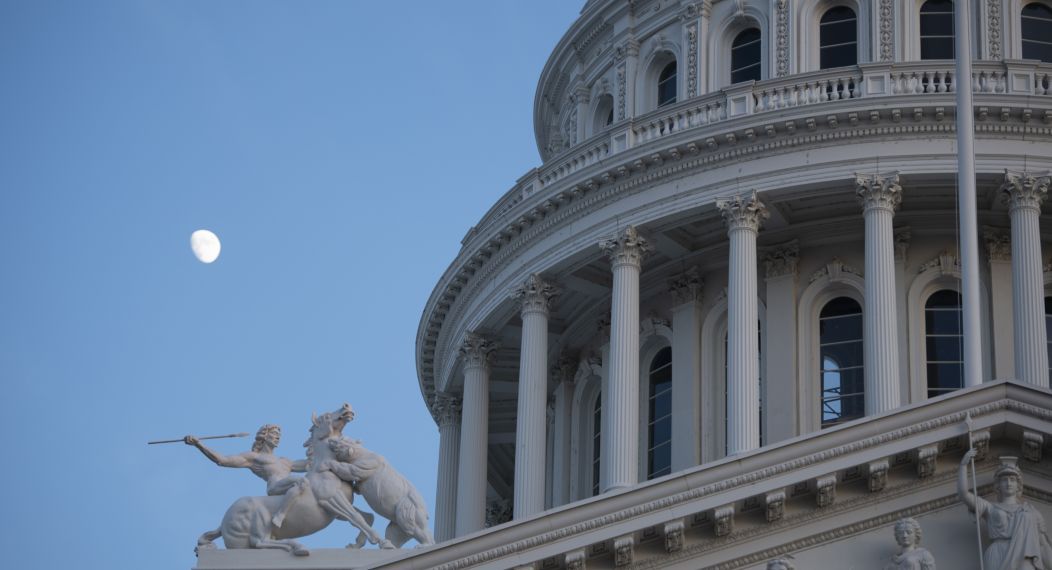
[340, 150]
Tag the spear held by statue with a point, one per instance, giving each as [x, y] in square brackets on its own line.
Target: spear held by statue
[181, 440]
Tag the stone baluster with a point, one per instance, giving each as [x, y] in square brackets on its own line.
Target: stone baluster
[472, 479]
[880, 195]
[535, 296]
[621, 393]
[743, 215]
[1024, 192]
[447, 414]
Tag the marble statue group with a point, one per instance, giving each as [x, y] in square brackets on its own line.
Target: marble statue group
[335, 470]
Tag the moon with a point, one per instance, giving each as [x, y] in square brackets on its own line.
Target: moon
[205, 245]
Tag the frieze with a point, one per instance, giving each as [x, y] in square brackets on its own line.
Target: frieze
[781, 260]
[834, 271]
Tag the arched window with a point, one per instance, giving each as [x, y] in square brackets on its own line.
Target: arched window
[746, 52]
[840, 353]
[936, 29]
[838, 38]
[1037, 32]
[666, 85]
[944, 338]
[659, 417]
[597, 424]
[604, 114]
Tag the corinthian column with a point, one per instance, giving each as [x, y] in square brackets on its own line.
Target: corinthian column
[474, 435]
[447, 414]
[1023, 192]
[621, 406]
[880, 195]
[743, 215]
[535, 296]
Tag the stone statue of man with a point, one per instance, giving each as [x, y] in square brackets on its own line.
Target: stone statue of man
[911, 556]
[276, 471]
[1017, 532]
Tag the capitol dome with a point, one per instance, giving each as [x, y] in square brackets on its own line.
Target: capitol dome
[733, 284]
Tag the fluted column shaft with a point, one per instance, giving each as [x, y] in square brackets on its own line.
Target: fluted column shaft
[743, 215]
[621, 406]
[447, 412]
[472, 481]
[1024, 193]
[530, 433]
[880, 195]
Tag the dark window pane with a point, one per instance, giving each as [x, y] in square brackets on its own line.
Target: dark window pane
[662, 358]
[945, 298]
[746, 36]
[842, 355]
[945, 376]
[839, 329]
[610, 116]
[838, 56]
[838, 33]
[841, 306]
[660, 461]
[660, 432]
[1041, 51]
[936, 48]
[661, 406]
[942, 321]
[838, 14]
[936, 25]
[937, 6]
[1034, 29]
[746, 56]
[667, 85]
[944, 348]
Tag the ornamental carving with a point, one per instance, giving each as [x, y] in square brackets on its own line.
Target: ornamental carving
[674, 536]
[993, 30]
[575, 560]
[878, 190]
[686, 287]
[564, 368]
[724, 521]
[627, 247]
[498, 511]
[782, 42]
[623, 550]
[535, 295]
[775, 506]
[1024, 190]
[782, 260]
[998, 244]
[887, 33]
[834, 271]
[591, 365]
[878, 475]
[945, 263]
[447, 410]
[981, 444]
[692, 60]
[826, 487]
[926, 457]
[1032, 444]
[744, 211]
[620, 90]
[902, 244]
[477, 350]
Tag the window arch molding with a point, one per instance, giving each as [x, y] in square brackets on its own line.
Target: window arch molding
[1014, 20]
[838, 281]
[807, 29]
[945, 274]
[723, 35]
[660, 54]
[714, 378]
[588, 383]
[655, 335]
[909, 23]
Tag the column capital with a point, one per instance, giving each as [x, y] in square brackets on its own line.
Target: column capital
[447, 409]
[686, 287]
[744, 211]
[477, 350]
[626, 248]
[535, 294]
[1024, 190]
[781, 260]
[878, 191]
[998, 244]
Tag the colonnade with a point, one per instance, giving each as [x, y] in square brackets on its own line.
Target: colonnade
[463, 445]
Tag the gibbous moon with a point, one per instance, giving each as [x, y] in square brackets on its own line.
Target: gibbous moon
[205, 245]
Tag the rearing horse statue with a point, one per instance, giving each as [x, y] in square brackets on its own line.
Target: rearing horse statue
[248, 522]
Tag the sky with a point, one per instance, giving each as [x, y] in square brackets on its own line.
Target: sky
[340, 151]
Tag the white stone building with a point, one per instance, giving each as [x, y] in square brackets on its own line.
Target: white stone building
[720, 322]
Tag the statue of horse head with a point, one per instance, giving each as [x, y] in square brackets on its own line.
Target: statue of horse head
[328, 425]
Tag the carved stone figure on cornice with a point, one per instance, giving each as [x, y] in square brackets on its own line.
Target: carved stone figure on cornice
[623, 550]
[686, 287]
[674, 536]
[834, 270]
[723, 521]
[775, 505]
[477, 350]
[781, 260]
[447, 409]
[535, 294]
[1033, 442]
[878, 190]
[911, 555]
[784, 563]
[1015, 529]
[998, 244]
[926, 461]
[742, 211]
[826, 491]
[878, 475]
[627, 247]
[575, 560]
[1024, 190]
